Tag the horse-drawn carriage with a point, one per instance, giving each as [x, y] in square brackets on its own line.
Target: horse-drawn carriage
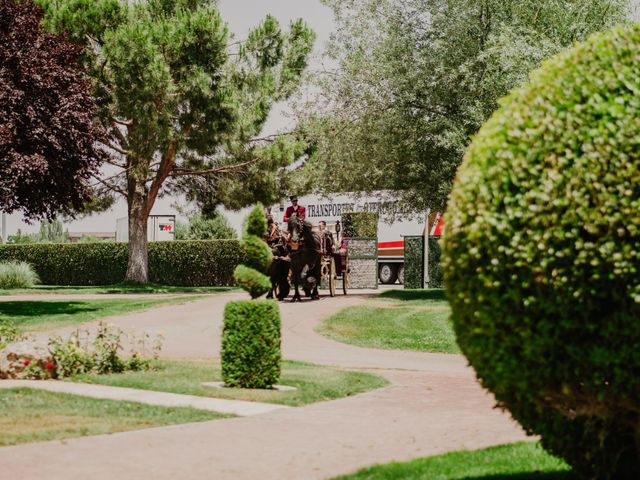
[303, 259]
[335, 267]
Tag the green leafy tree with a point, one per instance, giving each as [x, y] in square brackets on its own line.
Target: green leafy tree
[53, 232]
[50, 232]
[415, 79]
[23, 238]
[182, 101]
[50, 147]
[203, 228]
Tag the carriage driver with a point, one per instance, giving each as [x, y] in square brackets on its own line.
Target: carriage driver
[295, 208]
[326, 238]
[273, 232]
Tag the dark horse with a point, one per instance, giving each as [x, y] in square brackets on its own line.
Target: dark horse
[306, 257]
[279, 268]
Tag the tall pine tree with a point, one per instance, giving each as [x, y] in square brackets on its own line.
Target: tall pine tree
[183, 102]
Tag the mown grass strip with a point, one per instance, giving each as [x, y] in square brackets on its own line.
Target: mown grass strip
[398, 319]
[314, 383]
[518, 461]
[38, 315]
[28, 415]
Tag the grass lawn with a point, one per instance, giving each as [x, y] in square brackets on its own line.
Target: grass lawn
[118, 288]
[518, 461]
[30, 315]
[313, 383]
[396, 319]
[28, 415]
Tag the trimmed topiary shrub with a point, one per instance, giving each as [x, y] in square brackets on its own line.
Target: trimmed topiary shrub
[541, 255]
[250, 353]
[254, 282]
[360, 224]
[251, 344]
[256, 253]
[188, 263]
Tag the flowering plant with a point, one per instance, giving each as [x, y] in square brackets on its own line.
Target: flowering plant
[101, 353]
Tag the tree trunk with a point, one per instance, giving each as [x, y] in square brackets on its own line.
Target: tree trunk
[138, 266]
[140, 200]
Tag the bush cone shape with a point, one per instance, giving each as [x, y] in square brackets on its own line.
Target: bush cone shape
[257, 253]
[250, 353]
[542, 255]
[256, 222]
[254, 282]
[251, 344]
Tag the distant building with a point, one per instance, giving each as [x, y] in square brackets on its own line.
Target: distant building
[159, 228]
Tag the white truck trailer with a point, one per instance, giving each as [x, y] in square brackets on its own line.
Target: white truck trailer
[394, 224]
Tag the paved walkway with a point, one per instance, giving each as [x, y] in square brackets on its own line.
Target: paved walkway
[433, 405]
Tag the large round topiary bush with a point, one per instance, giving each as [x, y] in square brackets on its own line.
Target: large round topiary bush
[542, 255]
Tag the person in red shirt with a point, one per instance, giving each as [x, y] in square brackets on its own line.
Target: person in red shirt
[295, 208]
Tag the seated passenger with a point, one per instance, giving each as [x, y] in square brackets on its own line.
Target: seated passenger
[326, 239]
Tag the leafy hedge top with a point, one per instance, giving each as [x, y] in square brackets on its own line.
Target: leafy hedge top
[188, 263]
[541, 249]
[360, 224]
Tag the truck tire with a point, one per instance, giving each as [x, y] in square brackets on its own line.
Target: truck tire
[387, 273]
[401, 273]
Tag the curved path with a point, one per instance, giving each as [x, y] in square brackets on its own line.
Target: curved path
[433, 405]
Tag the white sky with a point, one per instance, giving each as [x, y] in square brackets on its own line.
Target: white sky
[241, 16]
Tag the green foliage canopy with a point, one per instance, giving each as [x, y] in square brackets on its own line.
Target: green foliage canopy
[416, 78]
[360, 224]
[203, 228]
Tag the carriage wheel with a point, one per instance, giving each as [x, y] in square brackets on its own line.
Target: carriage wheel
[332, 277]
[345, 279]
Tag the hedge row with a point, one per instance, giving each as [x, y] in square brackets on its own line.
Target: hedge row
[414, 262]
[182, 263]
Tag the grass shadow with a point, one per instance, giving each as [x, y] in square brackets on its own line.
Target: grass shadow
[435, 295]
[40, 308]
